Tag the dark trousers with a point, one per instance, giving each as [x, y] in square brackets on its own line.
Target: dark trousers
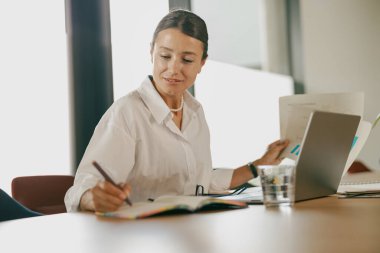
[10, 209]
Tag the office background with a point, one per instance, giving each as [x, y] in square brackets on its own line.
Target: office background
[326, 46]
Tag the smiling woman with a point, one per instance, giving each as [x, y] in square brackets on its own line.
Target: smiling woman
[178, 51]
[177, 59]
[155, 140]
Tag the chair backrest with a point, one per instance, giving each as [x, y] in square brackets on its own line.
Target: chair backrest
[358, 166]
[44, 194]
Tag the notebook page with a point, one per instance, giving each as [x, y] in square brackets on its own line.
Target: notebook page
[193, 202]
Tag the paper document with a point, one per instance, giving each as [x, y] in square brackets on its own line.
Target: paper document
[252, 195]
[295, 113]
[349, 103]
[298, 118]
[376, 121]
[361, 136]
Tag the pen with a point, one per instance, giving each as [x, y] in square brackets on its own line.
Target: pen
[108, 179]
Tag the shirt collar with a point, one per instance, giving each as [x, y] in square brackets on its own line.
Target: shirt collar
[157, 105]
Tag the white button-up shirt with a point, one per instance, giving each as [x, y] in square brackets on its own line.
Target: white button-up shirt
[137, 142]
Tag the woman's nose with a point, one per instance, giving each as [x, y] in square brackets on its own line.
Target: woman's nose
[174, 66]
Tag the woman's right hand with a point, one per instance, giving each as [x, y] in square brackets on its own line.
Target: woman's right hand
[104, 197]
[272, 155]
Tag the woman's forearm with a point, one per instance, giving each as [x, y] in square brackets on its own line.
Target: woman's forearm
[240, 176]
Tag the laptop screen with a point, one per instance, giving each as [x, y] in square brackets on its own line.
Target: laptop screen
[324, 152]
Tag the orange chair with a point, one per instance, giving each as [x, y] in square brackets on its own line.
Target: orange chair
[43, 194]
[358, 166]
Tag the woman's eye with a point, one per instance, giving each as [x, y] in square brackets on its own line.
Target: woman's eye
[187, 60]
[165, 56]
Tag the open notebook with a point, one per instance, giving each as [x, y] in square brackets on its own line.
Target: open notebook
[172, 204]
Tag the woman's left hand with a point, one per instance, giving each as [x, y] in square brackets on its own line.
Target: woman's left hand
[272, 155]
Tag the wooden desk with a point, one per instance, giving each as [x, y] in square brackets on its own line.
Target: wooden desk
[321, 225]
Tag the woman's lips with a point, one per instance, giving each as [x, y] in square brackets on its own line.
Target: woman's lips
[172, 80]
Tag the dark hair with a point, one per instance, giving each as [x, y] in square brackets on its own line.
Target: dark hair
[188, 23]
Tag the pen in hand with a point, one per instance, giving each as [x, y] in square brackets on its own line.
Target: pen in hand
[108, 179]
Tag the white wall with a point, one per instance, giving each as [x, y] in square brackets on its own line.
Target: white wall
[342, 53]
[234, 30]
[241, 108]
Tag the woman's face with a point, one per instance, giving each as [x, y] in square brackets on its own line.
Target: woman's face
[177, 60]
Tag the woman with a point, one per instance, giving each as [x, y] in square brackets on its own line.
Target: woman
[155, 141]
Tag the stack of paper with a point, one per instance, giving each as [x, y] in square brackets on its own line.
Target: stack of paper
[360, 185]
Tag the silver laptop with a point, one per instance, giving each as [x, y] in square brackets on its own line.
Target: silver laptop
[326, 145]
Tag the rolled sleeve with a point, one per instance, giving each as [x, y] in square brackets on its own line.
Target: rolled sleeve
[111, 147]
[220, 180]
[74, 194]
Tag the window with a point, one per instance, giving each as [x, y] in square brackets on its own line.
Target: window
[132, 27]
[33, 90]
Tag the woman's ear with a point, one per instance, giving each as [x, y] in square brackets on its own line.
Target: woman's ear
[202, 64]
